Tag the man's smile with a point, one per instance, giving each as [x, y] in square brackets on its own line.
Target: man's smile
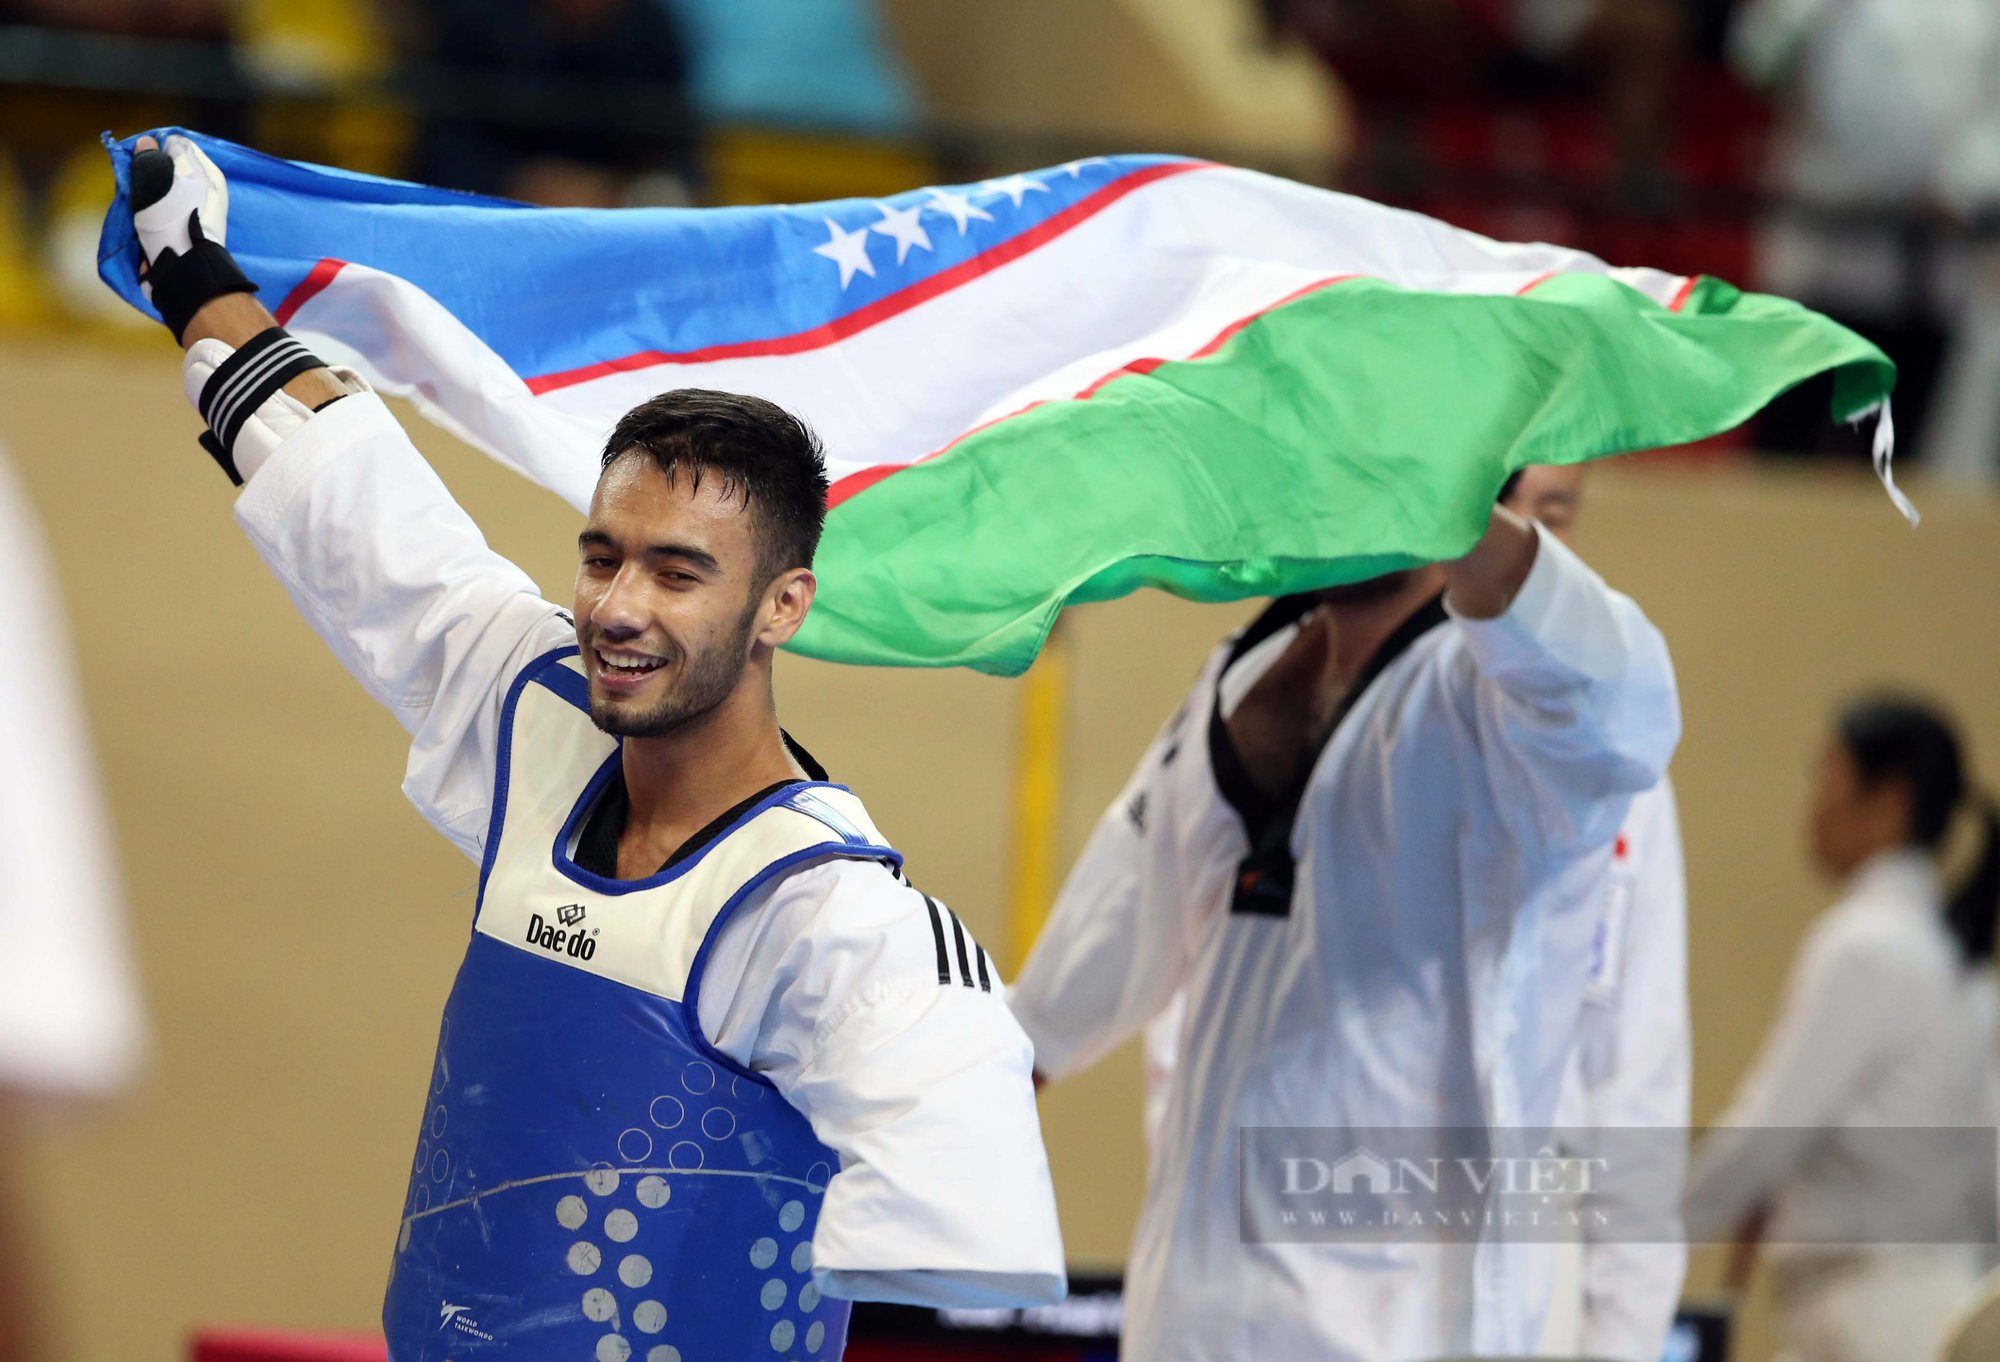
[623, 670]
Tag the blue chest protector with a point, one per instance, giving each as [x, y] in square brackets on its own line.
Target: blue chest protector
[594, 1181]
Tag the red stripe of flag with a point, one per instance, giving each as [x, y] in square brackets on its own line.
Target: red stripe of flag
[868, 477]
[320, 276]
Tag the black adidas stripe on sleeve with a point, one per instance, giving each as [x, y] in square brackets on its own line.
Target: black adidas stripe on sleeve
[974, 965]
[937, 935]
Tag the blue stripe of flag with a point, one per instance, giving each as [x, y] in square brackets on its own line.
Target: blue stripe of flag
[552, 290]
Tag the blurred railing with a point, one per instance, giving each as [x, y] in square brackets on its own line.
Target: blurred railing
[279, 105]
[33, 58]
[216, 72]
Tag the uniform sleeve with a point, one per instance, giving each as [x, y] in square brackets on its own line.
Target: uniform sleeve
[1575, 703]
[1126, 922]
[1836, 1019]
[400, 583]
[71, 1023]
[1630, 1290]
[1161, 1053]
[876, 1014]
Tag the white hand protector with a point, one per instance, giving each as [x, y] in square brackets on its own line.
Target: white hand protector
[180, 213]
[240, 394]
[196, 192]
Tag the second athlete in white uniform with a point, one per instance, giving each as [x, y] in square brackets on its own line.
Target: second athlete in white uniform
[1370, 850]
[1633, 1058]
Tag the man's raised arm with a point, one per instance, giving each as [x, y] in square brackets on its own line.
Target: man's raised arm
[1575, 699]
[377, 556]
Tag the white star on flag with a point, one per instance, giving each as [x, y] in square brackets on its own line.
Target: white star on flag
[1076, 168]
[1015, 187]
[902, 224]
[849, 250]
[958, 207]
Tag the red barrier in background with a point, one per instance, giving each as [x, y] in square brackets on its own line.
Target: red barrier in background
[275, 1347]
[265, 1345]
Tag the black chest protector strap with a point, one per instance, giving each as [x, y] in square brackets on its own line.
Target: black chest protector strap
[1265, 878]
[597, 844]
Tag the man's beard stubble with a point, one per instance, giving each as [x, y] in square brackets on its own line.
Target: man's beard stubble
[707, 679]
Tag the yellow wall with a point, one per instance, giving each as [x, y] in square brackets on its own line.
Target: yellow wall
[298, 924]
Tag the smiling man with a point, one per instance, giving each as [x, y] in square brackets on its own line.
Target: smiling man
[711, 1066]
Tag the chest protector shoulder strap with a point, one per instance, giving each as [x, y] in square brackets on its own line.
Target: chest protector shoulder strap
[649, 933]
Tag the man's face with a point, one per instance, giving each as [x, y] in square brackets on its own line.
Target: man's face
[1552, 494]
[667, 598]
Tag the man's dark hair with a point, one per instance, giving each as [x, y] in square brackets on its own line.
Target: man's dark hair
[761, 452]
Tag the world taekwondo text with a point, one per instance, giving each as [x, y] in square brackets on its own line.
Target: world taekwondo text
[1303, 1185]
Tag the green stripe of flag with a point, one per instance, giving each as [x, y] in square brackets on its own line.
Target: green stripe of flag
[1355, 430]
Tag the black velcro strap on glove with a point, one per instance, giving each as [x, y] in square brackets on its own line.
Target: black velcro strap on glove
[220, 453]
[244, 382]
[183, 282]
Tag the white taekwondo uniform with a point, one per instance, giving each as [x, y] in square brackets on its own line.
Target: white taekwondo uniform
[1427, 970]
[1632, 1067]
[1882, 1027]
[824, 976]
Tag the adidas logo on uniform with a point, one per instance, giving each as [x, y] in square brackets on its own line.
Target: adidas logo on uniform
[956, 947]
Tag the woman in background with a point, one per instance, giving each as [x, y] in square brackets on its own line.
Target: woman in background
[1888, 1023]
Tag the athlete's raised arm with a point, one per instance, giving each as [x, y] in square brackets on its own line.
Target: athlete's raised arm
[377, 556]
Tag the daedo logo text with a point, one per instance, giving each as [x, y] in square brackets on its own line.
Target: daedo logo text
[577, 945]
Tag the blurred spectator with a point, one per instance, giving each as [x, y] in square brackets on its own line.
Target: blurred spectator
[827, 64]
[1963, 441]
[1887, 1026]
[577, 103]
[70, 1024]
[1630, 53]
[1889, 149]
[1399, 55]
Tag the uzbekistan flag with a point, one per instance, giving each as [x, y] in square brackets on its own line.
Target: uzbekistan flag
[1049, 388]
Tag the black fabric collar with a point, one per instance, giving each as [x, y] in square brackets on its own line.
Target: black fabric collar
[597, 843]
[1264, 880]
